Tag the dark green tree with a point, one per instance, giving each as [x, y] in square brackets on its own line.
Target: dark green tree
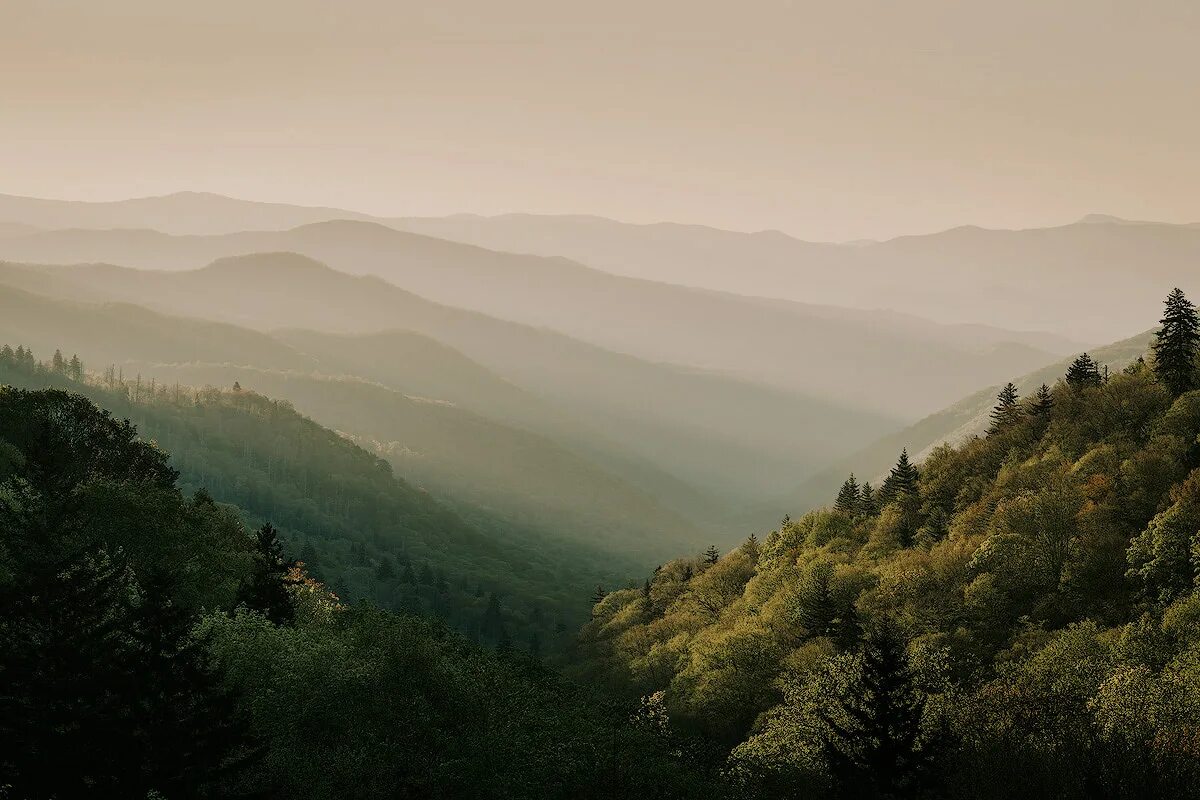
[849, 497]
[1177, 343]
[901, 480]
[873, 738]
[1043, 404]
[817, 608]
[57, 363]
[1007, 410]
[870, 500]
[1083, 372]
[266, 590]
[712, 555]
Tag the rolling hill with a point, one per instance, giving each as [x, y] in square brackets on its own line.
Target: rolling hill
[729, 436]
[842, 354]
[1086, 279]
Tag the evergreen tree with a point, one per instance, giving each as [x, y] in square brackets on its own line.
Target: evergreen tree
[1007, 410]
[267, 589]
[873, 739]
[901, 481]
[192, 735]
[712, 555]
[57, 363]
[849, 496]
[817, 609]
[598, 595]
[75, 369]
[1083, 372]
[1177, 343]
[870, 500]
[1043, 404]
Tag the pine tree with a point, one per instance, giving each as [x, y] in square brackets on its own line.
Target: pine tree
[1007, 410]
[870, 501]
[1043, 404]
[57, 363]
[75, 369]
[267, 589]
[873, 739]
[1177, 343]
[817, 607]
[598, 595]
[1083, 372]
[712, 555]
[901, 481]
[849, 496]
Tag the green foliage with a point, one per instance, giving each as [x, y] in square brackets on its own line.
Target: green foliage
[1083, 372]
[1177, 343]
[1008, 410]
[1045, 576]
[126, 673]
[339, 504]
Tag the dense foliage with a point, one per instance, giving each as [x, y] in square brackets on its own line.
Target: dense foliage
[340, 509]
[152, 647]
[1017, 616]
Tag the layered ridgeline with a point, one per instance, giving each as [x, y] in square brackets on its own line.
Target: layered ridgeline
[1015, 616]
[1085, 279]
[340, 509]
[435, 417]
[152, 646]
[733, 438]
[849, 353]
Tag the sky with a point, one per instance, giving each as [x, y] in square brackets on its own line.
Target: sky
[829, 121]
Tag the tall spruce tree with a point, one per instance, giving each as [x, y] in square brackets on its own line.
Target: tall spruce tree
[849, 497]
[1043, 404]
[901, 481]
[1177, 343]
[873, 739]
[870, 500]
[267, 589]
[817, 609]
[1083, 372]
[712, 555]
[1007, 410]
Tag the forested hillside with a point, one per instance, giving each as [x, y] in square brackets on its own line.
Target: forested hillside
[1017, 616]
[340, 509]
[152, 647]
[954, 424]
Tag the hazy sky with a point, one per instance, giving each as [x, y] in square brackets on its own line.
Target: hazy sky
[829, 120]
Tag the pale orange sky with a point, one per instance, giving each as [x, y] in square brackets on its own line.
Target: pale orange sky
[827, 120]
